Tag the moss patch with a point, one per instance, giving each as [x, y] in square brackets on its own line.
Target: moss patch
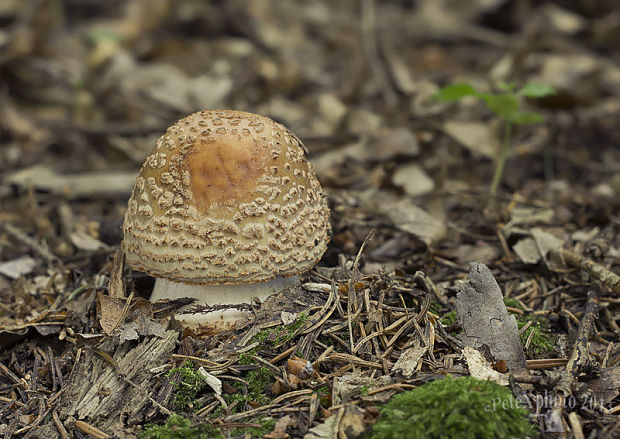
[279, 334]
[449, 318]
[513, 303]
[188, 389]
[258, 381]
[178, 427]
[267, 425]
[460, 408]
[542, 343]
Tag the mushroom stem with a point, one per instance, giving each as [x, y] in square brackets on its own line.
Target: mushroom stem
[226, 294]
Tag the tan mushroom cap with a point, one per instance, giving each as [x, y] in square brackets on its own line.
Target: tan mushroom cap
[226, 197]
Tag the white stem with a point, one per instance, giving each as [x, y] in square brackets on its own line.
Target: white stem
[228, 294]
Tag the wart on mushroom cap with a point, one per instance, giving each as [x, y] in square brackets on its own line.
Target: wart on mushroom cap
[225, 197]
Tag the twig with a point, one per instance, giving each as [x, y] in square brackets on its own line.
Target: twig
[578, 359]
[22, 237]
[371, 50]
[579, 354]
[209, 365]
[90, 429]
[607, 277]
[61, 428]
[546, 363]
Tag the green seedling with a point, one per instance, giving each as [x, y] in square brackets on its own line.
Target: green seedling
[506, 106]
[451, 408]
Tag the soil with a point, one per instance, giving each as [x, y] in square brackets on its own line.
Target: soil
[88, 87]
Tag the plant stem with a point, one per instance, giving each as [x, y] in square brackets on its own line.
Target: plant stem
[499, 168]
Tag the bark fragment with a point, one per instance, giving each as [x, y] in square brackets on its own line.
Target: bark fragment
[483, 316]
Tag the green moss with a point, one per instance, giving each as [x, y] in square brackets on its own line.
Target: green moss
[513, 303]
[188, 388]
[542, 343]
[460, 408]
[449, 318]
[260, 379]
[277, 335]
[267, 426]
[178, 427]
[258, 383]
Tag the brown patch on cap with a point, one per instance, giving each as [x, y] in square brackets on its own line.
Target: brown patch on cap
[224, 170]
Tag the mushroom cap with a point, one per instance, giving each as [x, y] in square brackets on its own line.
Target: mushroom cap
[226, 197]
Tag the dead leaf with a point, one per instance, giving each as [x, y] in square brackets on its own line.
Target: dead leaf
[348, 386]
[349, 418]
[522, 215]
[479, 252]
[562, 20]
[362, 121]
[331, 112]
[409, 359]
[214, 382]
[527, 251]
[140, 325]
[82, 240]
[137, 322]
[19, 267]
[413, 179]
[531, 249]
[479, 138]
[388, 143]
[279, 430]
[93, 184]
[404, 214]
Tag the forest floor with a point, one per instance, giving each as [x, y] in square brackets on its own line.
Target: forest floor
[87, 87]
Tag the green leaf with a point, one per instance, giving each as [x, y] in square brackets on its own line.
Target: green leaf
[526, 118]
[505, 106]
[536, 90]
[454, 92]
[507, 86]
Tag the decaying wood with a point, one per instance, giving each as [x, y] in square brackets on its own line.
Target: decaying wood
[100, 393]
[483, 316]
[355, 80]
[579, 358]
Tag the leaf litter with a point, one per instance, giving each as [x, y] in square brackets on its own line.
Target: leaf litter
[82, 350]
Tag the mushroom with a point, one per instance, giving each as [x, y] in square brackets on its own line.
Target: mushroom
[226, 208]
